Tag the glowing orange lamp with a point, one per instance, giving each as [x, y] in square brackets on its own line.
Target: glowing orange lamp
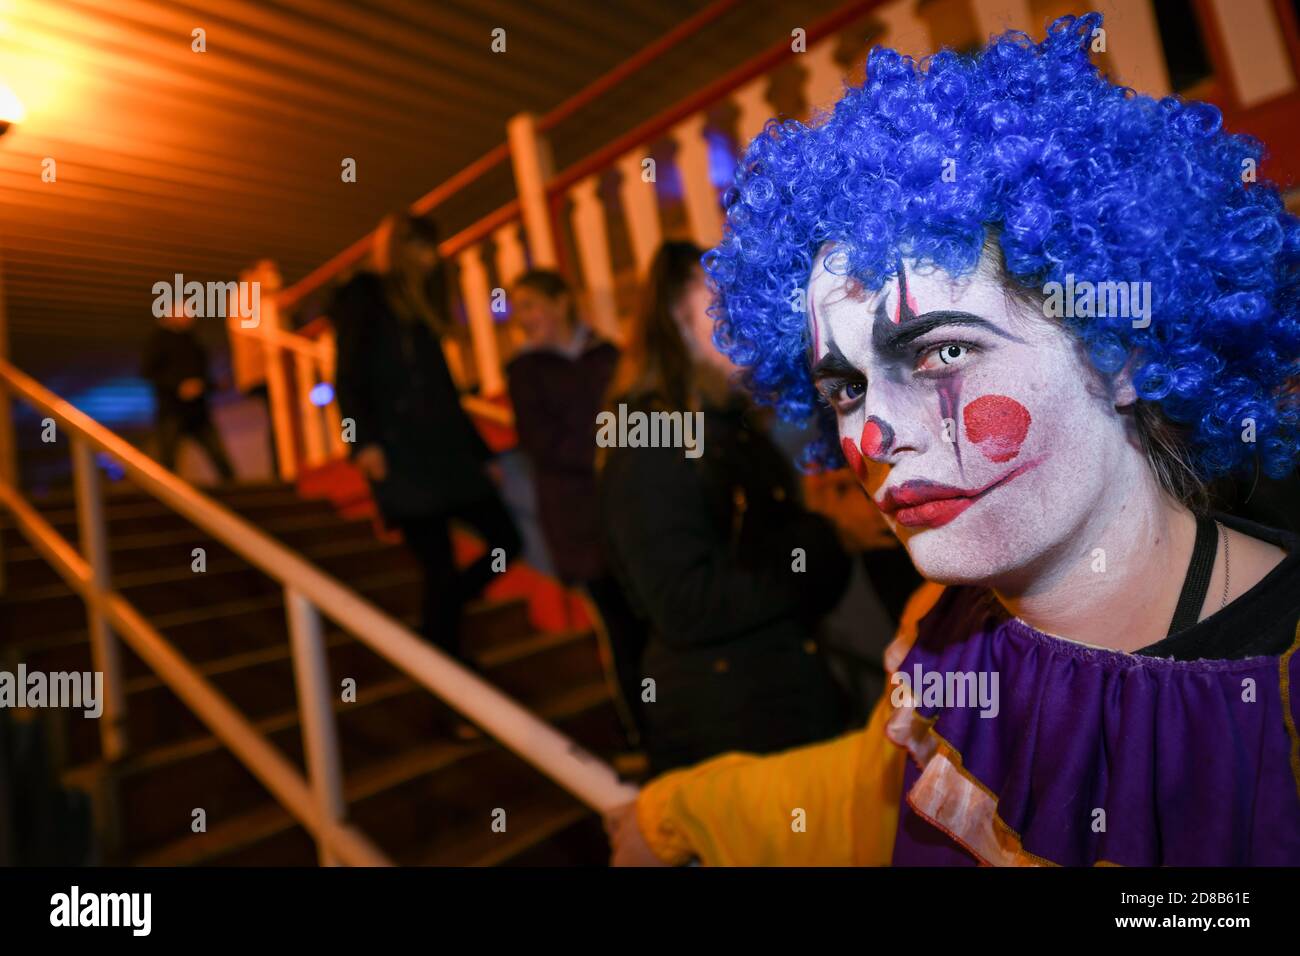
[11, 108]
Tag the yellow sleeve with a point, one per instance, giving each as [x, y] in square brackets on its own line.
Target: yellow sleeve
[828, 804]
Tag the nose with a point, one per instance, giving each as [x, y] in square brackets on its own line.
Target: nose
[897, 422]
[876, 444]
[877, 439]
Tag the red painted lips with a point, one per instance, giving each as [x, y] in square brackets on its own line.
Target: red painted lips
[927, 504]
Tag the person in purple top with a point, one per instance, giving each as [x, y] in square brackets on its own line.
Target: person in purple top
[557, 383]
[1038, 315]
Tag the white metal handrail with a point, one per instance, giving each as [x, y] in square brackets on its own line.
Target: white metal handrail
[322, 352]
[318, 803]
[263, 760]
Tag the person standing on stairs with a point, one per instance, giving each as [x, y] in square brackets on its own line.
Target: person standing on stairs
[176, 363]
[426, 462]
[557, 384]
[703, 545]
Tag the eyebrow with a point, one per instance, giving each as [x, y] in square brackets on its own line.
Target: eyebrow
[899, 336]
[833, 365]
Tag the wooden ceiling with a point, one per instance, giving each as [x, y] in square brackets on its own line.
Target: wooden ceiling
[169, 160]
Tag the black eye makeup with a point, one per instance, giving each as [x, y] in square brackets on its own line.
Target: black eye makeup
[839, 381]
[917, 348]
[898, 341]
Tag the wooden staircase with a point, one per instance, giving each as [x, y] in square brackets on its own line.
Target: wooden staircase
[419, 781]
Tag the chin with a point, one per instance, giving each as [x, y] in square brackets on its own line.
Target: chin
[942, 566]
[974, 549]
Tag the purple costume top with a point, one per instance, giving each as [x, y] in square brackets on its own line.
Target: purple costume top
[1091, 756]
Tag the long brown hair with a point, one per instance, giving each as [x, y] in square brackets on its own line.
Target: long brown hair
[656, 360]
[414, 296]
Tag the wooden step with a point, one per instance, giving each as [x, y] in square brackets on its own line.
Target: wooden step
[194, 597]
[132, 551]
[426, 814]
[419, 780]
[247, 658]
[152, 514]
[333, 557]
[158, 791]
[530, 823]
[124, 493]
[204, 634]
[392, 797]
[392, 714]
[171, 550]
[30, 577]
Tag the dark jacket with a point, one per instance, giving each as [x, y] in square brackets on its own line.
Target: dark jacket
[393, 382]
[171, 357]
[706, 551]
[556, 398]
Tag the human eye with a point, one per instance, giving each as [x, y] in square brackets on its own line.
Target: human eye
[940, 357]
[842, 394]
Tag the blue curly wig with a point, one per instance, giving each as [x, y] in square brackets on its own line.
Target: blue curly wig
[1070, 174]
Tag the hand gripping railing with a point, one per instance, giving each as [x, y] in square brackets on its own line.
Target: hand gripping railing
[317, 801]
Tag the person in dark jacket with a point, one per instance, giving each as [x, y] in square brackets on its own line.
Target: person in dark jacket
[557, 386]
[425, 460]
[715, 550]
[176, 363]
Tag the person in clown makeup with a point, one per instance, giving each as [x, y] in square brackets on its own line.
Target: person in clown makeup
[1051, 477]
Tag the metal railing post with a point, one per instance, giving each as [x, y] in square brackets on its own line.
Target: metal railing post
[104, 651]
[3, 581]
[531, 159]
[7, 470]
[8, 445]
[278, 394]
[315, 704]
[310, 418]
[476, 293]
[4, 480]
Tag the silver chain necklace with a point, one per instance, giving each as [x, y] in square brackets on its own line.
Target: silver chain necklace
[1227, 567]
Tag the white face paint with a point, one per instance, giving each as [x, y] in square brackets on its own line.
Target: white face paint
[978, 426]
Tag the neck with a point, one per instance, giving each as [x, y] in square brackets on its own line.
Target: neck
[1115, 580]
[562, 337]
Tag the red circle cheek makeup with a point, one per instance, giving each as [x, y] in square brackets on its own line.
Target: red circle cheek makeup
[997, 426]
[854, 458]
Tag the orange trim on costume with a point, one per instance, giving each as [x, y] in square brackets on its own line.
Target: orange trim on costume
[946, 769]
[951, 798]
[1284, 675]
